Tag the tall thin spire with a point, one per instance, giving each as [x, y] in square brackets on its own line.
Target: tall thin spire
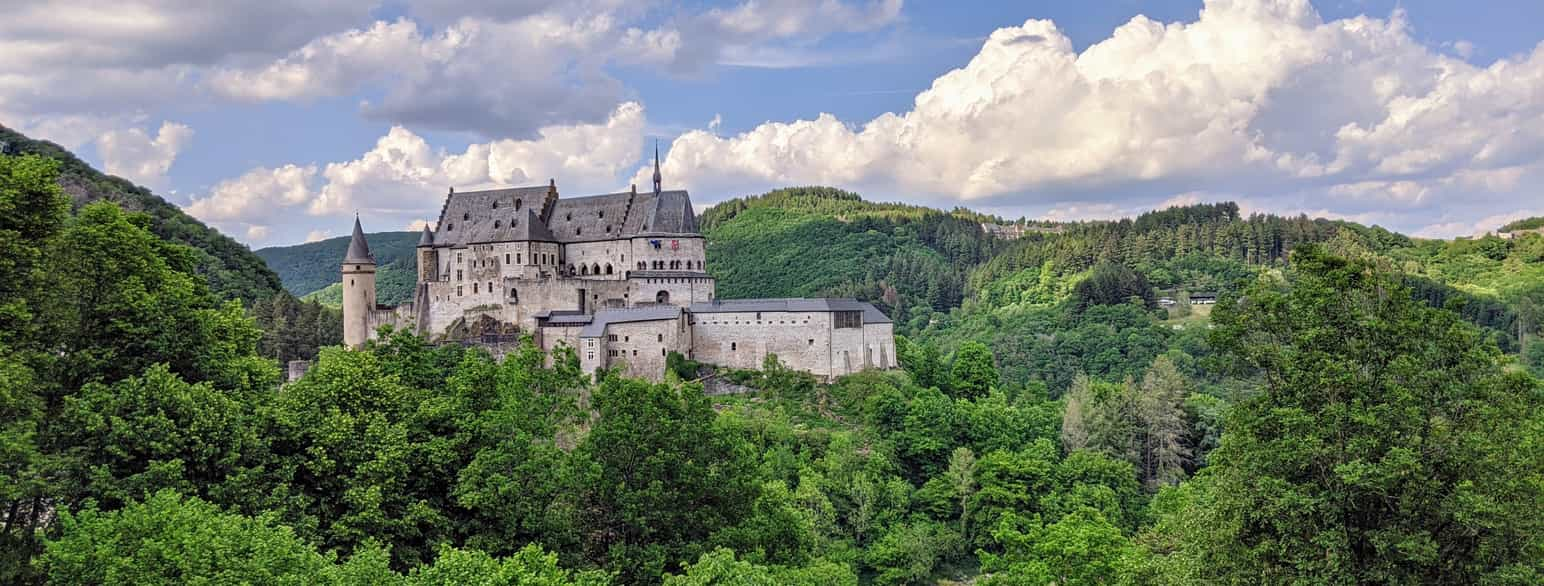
[358, 249]
[656, 167]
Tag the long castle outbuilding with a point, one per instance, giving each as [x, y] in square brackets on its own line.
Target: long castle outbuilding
[621, 278]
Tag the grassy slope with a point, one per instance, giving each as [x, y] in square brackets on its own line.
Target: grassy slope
[232, 269]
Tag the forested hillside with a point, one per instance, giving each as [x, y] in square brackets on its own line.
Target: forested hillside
[1322, 423]
[311, 267]
[819, 241]
[229, 266]
[1035, 300]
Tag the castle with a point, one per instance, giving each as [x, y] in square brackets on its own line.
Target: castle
[620, 278]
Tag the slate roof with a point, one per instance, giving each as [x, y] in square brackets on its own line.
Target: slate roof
[358, 249]
[470, 217]
[427, 239]
[605, 317]
[494, 215]
[871, 314]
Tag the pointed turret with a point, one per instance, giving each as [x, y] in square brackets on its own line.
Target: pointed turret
[358, 289]
[656, 168]
[427, 239]
[358, 249]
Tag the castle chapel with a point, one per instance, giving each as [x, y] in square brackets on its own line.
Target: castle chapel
[618, 277]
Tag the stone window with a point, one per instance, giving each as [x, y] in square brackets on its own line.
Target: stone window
[661, 337]
[497, 224]
[458, 258]
[568, 217]
[849, 319]
[812, 341]
[458, 290]
[450, 227]
[635, 352]
[495, 205]
[734, 346]
[624, 338]
[466, 216]
[578, 231]
[603, 214]
[611, 338]
[458, 274]
[518, 260]
[608, 268]
[515, 295]
[506, 258]
[517, 205]
[490, 286]
[474, 288]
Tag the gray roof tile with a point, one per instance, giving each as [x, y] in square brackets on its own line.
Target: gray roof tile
[605, 317]
[358, 249]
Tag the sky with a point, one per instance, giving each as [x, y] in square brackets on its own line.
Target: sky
[278, 120]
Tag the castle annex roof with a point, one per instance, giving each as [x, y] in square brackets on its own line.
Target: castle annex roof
[427, 239]
[600, 319]
[358, 249]
[514, 214]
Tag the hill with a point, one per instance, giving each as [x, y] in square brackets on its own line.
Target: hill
[309, 268]
[231, 268]
[945, 282]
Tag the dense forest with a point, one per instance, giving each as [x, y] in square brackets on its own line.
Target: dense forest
[1339, 415]
[309, 270]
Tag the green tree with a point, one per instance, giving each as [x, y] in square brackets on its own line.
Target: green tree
[1160, 408]
[1080, 548]
[662, 476]
[720, 568]
[974, 372]
[962, 478]
[1387, 443]
[172, 540]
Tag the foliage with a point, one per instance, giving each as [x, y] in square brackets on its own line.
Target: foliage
[312, 266]
[1387, 444]
[230, 268]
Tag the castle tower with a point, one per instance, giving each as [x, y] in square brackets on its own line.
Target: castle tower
[358, 289]
[428, 258]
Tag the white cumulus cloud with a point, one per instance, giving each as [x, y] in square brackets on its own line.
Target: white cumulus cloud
[139, 157]
[1257, 97]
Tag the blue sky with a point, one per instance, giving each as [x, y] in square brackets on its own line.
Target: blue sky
[276, 120]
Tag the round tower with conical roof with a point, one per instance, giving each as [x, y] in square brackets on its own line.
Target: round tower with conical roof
[358, 289]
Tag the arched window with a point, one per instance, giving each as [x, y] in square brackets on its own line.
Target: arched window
[662, 297]
[584, 270]
[595, 269]
[495, 205]
[514, 295]
[640, 265]
[608, 268]
[466, 216]
[497, 224]
[517, 205]
[570, 269]
[578, 231]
